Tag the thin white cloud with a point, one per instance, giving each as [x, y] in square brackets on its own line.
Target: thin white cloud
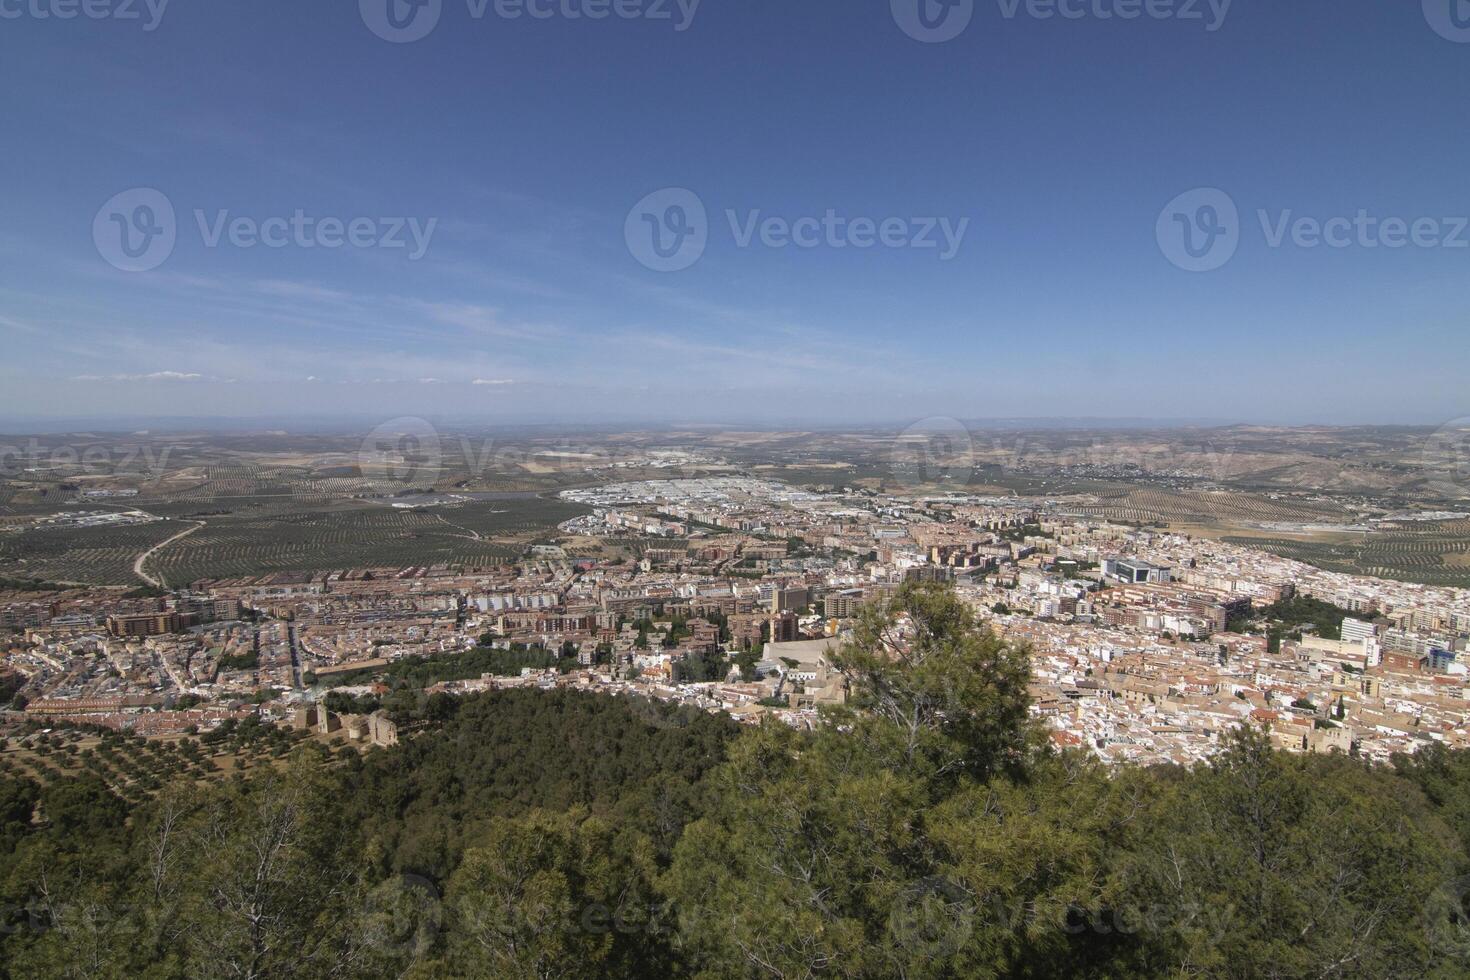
[486, 320]
[493, 381]
[6, 321]
[154, 376]
[302, 290]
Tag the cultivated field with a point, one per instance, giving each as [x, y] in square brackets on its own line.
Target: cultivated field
[96, 556]
[282, 501]
[1146, 505]
[1434, 554]
[365, 534]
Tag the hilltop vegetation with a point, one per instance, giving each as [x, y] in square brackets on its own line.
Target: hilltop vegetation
[928, 831]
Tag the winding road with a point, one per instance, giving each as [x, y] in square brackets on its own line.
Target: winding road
[473, 535]
[141, 559]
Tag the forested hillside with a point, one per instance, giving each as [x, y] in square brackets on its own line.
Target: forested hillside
[927, 830]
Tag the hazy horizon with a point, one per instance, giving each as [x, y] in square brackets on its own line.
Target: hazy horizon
[327, 423]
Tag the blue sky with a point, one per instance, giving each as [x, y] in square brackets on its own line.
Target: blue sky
[527, 142]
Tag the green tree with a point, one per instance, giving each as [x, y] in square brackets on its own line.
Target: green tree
[932, 687]
[266, 881]
[554, 895]
[838, 853]
[1276, 865]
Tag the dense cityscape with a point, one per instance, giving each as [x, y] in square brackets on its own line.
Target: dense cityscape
[1146, 646]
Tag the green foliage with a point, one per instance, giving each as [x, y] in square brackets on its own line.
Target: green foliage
[508, 752]
[1289, 865]
[421, 672]
[18, 798]
[241, 661]
[31, 585]
[1023, 532]
[862, 850]
[555, 895]
[932, 689]
[699, 667]
[923, 831]
[1290, 615]
[342, 703]
[746, 661]
[82, 806]
[1443, 776]
[261, 875]
[1239, 622]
